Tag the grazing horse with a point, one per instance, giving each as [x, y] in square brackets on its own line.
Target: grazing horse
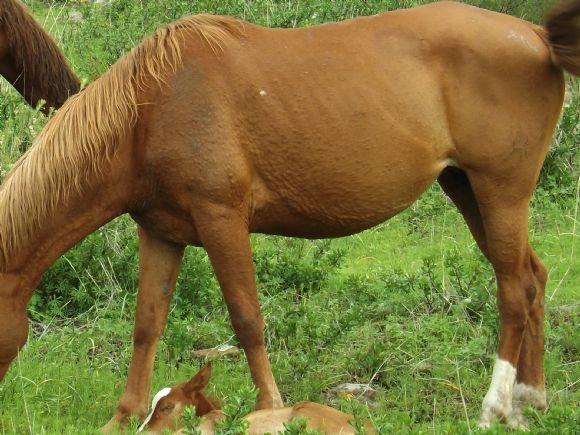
[168, 404]
[30, 59]
[214, 128]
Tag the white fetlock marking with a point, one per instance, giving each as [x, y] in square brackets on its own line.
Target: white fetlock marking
[498, 400]
[524, 394]
[160, 395]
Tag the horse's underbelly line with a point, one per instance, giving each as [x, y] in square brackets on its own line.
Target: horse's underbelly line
[339, 206]
[286, 221]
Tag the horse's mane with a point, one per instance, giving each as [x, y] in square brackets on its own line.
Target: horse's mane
[77, 144]
[33, 50]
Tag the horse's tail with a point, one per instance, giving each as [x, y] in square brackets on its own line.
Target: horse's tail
[563, 35]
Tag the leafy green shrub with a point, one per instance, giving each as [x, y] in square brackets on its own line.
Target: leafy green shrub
[298, 426]
[235, 411]
[560, 174]
[99, 271]
[295, 265]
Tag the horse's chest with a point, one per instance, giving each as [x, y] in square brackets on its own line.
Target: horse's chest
[168, 224]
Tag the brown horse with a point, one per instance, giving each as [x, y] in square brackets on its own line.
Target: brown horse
[168, 405]
[30, 59]
[214, 128]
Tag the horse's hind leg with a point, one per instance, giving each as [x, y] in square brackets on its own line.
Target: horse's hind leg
[530, 384]
[506, 244]
[500, 229]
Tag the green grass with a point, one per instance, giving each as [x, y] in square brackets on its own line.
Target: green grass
[408, 305]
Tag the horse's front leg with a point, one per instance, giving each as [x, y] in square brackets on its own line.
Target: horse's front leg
[159, 263]
[225, 237]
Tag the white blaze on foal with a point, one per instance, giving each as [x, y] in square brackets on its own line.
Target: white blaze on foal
[498, 400]
[160, 395]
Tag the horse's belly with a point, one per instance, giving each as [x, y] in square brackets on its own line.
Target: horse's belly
[331, 198]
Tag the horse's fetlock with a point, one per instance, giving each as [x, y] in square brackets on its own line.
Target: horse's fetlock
[128, 408]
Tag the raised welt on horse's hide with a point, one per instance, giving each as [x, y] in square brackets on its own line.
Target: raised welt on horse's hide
[31, 61]
[214, 128]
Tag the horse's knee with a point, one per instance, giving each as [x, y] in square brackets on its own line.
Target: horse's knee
[129, 406]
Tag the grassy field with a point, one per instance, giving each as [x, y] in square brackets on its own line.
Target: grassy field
[408, 306]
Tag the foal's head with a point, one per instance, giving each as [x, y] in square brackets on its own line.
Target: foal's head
[168, 404]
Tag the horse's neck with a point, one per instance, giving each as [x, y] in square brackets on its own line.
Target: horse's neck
[9, 70]
[16, 74]
[52, 79]
[32, 90]
[71, 222]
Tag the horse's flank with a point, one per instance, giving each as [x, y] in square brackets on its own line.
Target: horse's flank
[43, 69]
[73, 150]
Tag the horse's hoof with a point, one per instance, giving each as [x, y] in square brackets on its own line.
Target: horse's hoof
[486, 418]
[513, 417]
[516, 420]
[494, 409]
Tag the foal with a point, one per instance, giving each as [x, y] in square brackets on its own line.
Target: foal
[168, 404]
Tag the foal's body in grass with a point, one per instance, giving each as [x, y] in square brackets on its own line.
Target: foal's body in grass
[30, 59]
[168, 405]
[215, 128]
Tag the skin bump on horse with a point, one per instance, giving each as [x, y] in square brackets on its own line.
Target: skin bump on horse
[168, 405]
[31, 61]
[208, 131]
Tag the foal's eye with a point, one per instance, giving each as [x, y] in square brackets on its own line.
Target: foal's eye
[167, 409]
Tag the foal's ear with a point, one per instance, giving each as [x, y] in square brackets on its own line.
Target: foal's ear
[199, 381]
